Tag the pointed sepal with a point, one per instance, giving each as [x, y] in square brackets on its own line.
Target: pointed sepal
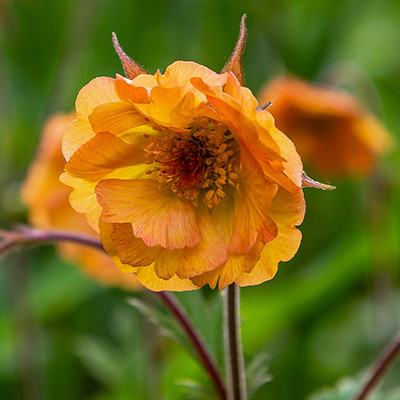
[132, 68]
[308, 182]
[234, 64]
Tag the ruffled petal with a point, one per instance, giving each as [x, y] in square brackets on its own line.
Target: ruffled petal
[97, 92]
[145, 275]
[131, 250]
[134, 91]
[239, 263]
[210, 253]
[83, 198]
[293, 166]
[179, 73]
[148, 278]
[115, 118]
[77, 133]
[288, 211]
[102, 155]
[248, 131]
[158, 216]
[252, 207]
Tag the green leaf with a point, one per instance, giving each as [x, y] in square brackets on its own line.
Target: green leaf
[195, 390]
[347, 388]
[167, 324]
[257, 372]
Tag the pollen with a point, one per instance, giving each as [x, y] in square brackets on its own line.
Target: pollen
[197, 163]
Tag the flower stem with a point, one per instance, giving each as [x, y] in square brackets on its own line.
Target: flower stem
[234, 351]
[27, 235]
[381, 365]
[205, 357]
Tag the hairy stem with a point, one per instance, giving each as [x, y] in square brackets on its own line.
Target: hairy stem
[379, 368]
[235, 363]
[197, 341]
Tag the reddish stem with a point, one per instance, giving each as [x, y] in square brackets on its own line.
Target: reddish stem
[381, 365]
[197, 341]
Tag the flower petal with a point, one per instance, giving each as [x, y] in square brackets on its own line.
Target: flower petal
[77, 133]
[209, 254]
[252, 207]
[145, 275]
[131, 250]
[102, 155]
[288, 211]
[158, 216]
[97, 92]
[115, 118]
[83, 198]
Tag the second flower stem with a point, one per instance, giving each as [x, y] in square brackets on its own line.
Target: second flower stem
[197, 341]
[234, 351]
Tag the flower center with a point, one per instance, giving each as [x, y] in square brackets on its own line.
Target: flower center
[201, 160]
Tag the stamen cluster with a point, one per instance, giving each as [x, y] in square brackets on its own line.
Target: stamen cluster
[204, 158]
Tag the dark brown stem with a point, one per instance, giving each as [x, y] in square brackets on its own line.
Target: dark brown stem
[235, 363]
[197, 341]
[26, 236]
[381, 365]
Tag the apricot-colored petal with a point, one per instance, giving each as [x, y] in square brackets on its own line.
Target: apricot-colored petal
[102, 155]
[288, 211]
[210, 253]
[145, 275]
[83, 198]
[292, 163]
[231, 270]
[158, 216]
[241, 94]
[208, 278]
[97, 92]
[239, 263]
[132, 91]
[106, 231]
[179, 74]
[131, 250]
[115, 118]
[252, 207]
[77, 133]
[148, 278]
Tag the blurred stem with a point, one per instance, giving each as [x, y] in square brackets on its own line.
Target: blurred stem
[234, 350]
[204, 356]
[381, 365]
[28, 236]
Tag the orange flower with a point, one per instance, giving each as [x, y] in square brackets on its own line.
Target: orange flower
[186, 181]
[47, 201]
[331, 131]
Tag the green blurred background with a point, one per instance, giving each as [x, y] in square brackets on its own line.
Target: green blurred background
[326, 314]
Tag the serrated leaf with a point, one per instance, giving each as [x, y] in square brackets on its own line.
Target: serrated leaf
[165, 322]
[257, 372]
[347, 388]
[195, 390]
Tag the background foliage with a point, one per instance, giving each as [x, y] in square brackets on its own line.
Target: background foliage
[327, 313]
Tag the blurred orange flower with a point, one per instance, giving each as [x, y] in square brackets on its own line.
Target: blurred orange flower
[332, 132]
[47, 201]
[186, 181]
